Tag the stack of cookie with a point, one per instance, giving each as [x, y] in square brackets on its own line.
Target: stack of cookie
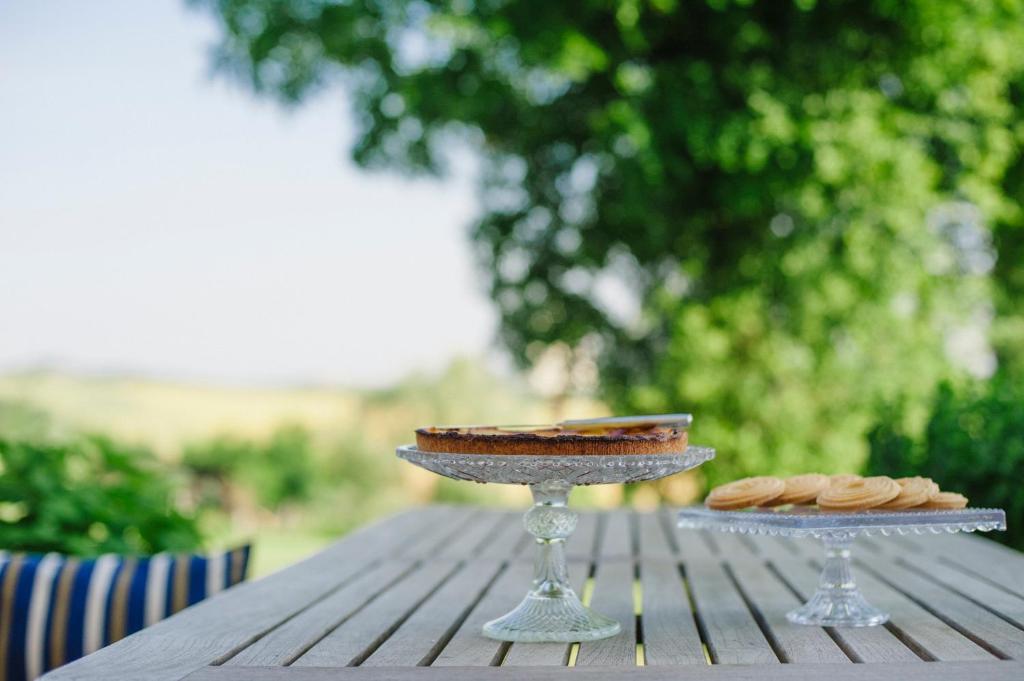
[835, 493]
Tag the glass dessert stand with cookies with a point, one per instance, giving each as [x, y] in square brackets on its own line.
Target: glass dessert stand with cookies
[551, 610]
[838, 601]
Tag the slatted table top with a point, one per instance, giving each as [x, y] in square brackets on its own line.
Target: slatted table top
[405, 599]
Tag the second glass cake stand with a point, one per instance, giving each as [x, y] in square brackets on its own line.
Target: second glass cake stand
[551, 610]
[838, 602]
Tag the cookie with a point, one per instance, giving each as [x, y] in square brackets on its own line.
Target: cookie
[859, 495]
[842, 479]
[801, 489]
[913, 492]
[743, 493]
[935, 485]
[945, 501]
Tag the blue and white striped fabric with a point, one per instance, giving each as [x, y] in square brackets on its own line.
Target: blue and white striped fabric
[55, 609]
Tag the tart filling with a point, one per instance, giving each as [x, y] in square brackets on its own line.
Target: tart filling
[592, 437]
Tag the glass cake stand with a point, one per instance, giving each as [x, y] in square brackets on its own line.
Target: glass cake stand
[838, 602]
[551, 610]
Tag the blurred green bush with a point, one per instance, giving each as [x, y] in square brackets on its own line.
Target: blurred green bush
[972, 442]
[88, 497]
[278, 472]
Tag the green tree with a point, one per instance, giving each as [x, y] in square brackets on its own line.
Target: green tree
[771, 213]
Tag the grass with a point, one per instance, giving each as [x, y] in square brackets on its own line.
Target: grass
[275, 549]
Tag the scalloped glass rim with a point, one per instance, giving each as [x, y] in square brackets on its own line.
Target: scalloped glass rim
[817, 523]
[531, 469]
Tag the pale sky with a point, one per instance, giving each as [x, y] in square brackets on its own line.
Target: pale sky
[155, 219]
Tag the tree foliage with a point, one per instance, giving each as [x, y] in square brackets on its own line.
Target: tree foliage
[972, 442]
[88, 497]
[771, 213]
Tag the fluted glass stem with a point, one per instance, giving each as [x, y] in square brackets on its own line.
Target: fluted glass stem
[551, 522]
[837, 573]
[551, 610]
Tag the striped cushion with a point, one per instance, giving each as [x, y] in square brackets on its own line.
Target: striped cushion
[55, 609]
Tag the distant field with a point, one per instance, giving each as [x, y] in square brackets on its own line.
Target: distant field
[169, 415]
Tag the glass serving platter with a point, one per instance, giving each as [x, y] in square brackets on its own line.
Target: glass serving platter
[551, 610]
[838, 601]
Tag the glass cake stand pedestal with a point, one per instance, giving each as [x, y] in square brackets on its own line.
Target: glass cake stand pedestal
[551, 610]
[838, 602]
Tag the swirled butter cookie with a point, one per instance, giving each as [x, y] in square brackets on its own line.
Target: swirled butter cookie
[739, 494]
[945, 501]
[859, 495]
[801, 489]
[842, 479]
[913, 492]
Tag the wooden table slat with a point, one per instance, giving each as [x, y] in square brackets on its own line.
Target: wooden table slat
[468, 647]
[693, 546]
[1003, 603]
[918, 626]
[361, 633]
[441, 534]
[976, 554]
[617, 537]
[613, 597]
[473, 538]
[771, 600]
[975, 543]
[417, 640]
[290, 640]
[981, 561]
[653, 542]
[937, 671]
[733, 636]
[580, 546]
[669, 628]
[990, 631]
[510, 540]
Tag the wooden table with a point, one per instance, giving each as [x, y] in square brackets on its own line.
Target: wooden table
[404, 599]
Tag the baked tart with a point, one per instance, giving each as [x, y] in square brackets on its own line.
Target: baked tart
[664, 434]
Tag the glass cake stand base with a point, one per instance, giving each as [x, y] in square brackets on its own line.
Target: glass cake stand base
[551, 610]
[838, 602]
[560, 618]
